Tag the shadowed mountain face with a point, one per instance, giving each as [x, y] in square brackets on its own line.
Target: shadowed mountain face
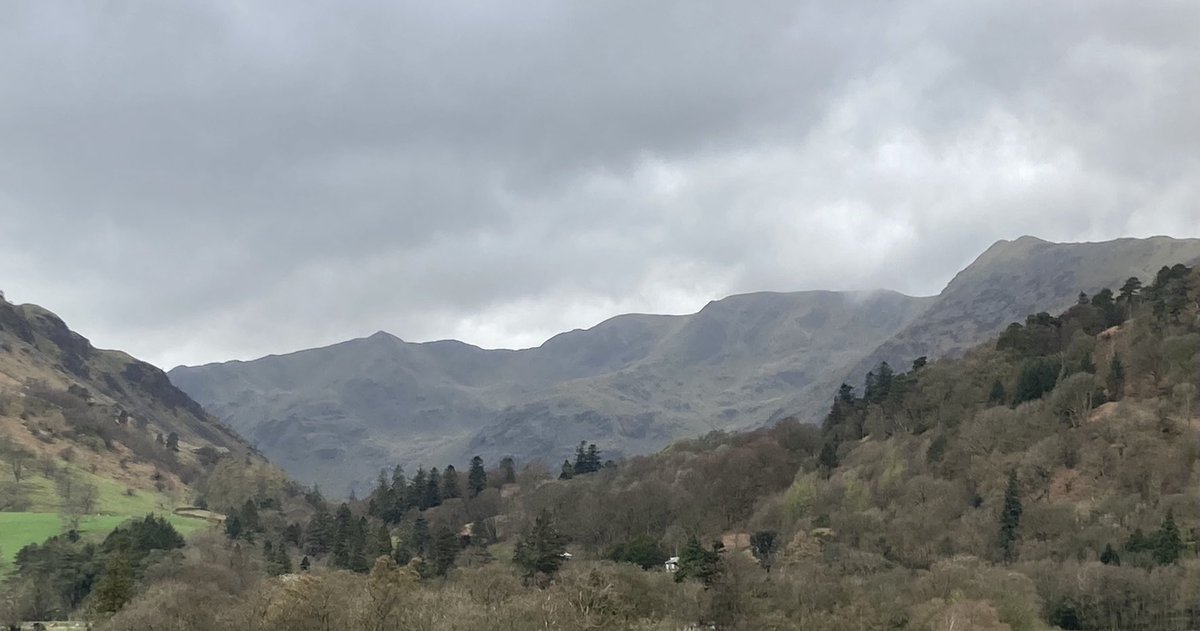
[634, 383]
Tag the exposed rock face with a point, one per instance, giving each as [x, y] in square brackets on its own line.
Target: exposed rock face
[634, 383]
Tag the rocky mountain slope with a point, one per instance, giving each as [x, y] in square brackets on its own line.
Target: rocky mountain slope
[59, 393]
[634, 383]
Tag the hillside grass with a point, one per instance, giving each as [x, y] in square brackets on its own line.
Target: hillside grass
[116, 505]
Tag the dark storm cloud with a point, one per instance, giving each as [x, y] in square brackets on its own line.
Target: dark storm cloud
[194, 181]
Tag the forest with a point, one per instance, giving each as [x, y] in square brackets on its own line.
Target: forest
[1045, 480]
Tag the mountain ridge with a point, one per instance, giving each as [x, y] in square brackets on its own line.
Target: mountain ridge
[634, 382]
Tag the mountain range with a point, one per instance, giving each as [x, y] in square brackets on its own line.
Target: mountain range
[634, 383]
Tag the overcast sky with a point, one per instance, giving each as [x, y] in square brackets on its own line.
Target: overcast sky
[201, 181]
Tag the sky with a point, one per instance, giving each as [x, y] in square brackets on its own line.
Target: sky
[197, 181]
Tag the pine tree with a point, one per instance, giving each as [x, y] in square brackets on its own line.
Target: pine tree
[593, 458]
[540, 548]
[580, 466]
[233, 526]
[116, 586]
[358, 546]
[443, 551]
[283, 560]
[997, 396]
[433, 490]
[343, 537]
[450, 483]
[417, 488]
[828, 458]
[380, 543]
[319, 538]
[1110, 556]
[476, 476]
[697, 562]
[418, 536]
[305, 564]
[173, 441]
[250, 521]
[1167, 543]
[1010, 520]
[508, 470]
[568, 471]
[1115, 383]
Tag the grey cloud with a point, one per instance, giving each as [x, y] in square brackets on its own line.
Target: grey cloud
[195, 181]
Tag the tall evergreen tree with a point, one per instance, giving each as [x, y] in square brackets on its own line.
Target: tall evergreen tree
[343, 538]
[997, 396]
[508, 470]
[581, 465]
[450, 483]
[116, 586]
[476, 477]
[358, 546]
[540, 548]
[379, 544]
[233, 526]
[418, 486]
[443, 551]
[568, 471]
[1010, 519]
[1109, 556]
[433, 490]
[697, 562]
[250, 520]
[1114, 384]
[593, 458]
[319, 537]
[1168, 545]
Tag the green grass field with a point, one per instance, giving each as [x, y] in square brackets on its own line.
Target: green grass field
[114, 507]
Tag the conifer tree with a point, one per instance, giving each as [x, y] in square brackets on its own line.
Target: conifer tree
[417, 488]
[593, 458]
[319, 538]
[580, 466]
[540, 548]
[1167, 543]
[305, 564]
[173, 441]
[443, 551]
[116, 586]
[1110, 556]
[380, 543]
[697, 562]
[433, 490]
[283, 561]
[1010, 519]
[343, 537]
[997, 396]
[476, 477]
[1115, 383]
[450, 483]
[358, 546]
[508, 470]
[828, 458]
[418, 537]
[233, 526]
[568, 471]
[250, 521]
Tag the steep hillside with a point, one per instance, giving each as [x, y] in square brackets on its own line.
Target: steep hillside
[90, 437]
[336, 415]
